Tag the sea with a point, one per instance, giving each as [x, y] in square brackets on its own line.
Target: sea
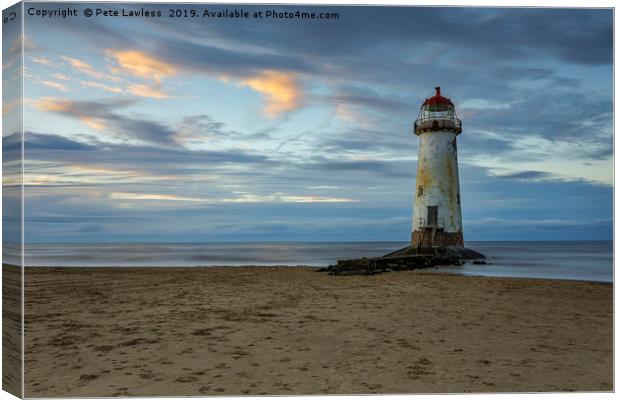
[578, 260]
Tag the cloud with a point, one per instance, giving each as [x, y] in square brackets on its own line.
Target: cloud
[53, 105]
[525, 175]
[88, 69]
[81, 66]
[87, 176]
[142, 65]
[315, 199]
[93, 123]
[22, 42]
[83, 83]
[102, 116]
[366, 167]
[9, 106]
[211, 57]
[280, 90]
[398, 143]
[92, 178]
[55, 85]
[140, 90]
[282, 198]
[44, 61]
[149, 159]
[148, 91]
[363, 106]
[12, 144]
[59, 76]
[41, 141]
[369, 98]
[101, 86]
[196, 131]
[144, 196]
[263, 73]
[243, 198]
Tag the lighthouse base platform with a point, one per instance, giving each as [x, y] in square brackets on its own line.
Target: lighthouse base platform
[428, 237]
[406, 259]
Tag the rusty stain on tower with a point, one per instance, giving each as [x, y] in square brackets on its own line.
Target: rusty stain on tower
[437, 210]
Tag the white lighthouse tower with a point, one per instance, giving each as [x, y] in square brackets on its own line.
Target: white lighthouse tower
[437, 210]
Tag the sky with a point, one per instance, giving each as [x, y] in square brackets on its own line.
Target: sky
[198, 130]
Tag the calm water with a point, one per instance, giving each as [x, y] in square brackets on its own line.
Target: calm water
[591, 261]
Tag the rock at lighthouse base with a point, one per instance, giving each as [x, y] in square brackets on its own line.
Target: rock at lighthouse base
[462, 253]
[407, 258]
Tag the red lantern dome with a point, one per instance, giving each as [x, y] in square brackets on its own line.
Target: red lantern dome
[438, 99]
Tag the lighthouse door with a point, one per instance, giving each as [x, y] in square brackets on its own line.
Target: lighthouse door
[432, 216]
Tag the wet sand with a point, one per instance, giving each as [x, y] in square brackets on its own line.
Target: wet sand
[12, 329]
[223, 331]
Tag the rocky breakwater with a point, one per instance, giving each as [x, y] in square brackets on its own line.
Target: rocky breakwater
[405, 259]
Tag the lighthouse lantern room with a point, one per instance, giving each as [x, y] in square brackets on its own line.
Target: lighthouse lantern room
[437, 209]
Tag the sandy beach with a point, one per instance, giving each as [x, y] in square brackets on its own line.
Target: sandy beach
[11, 329]
[291, 330]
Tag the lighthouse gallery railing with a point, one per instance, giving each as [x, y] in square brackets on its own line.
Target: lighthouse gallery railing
[429, 124]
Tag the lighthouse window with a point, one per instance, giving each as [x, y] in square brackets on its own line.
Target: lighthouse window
[458, 198]
[420, 191]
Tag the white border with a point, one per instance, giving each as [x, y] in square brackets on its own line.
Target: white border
[465, 3]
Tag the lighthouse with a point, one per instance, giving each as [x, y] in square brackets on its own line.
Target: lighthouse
[437, 234]
[437, 198]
